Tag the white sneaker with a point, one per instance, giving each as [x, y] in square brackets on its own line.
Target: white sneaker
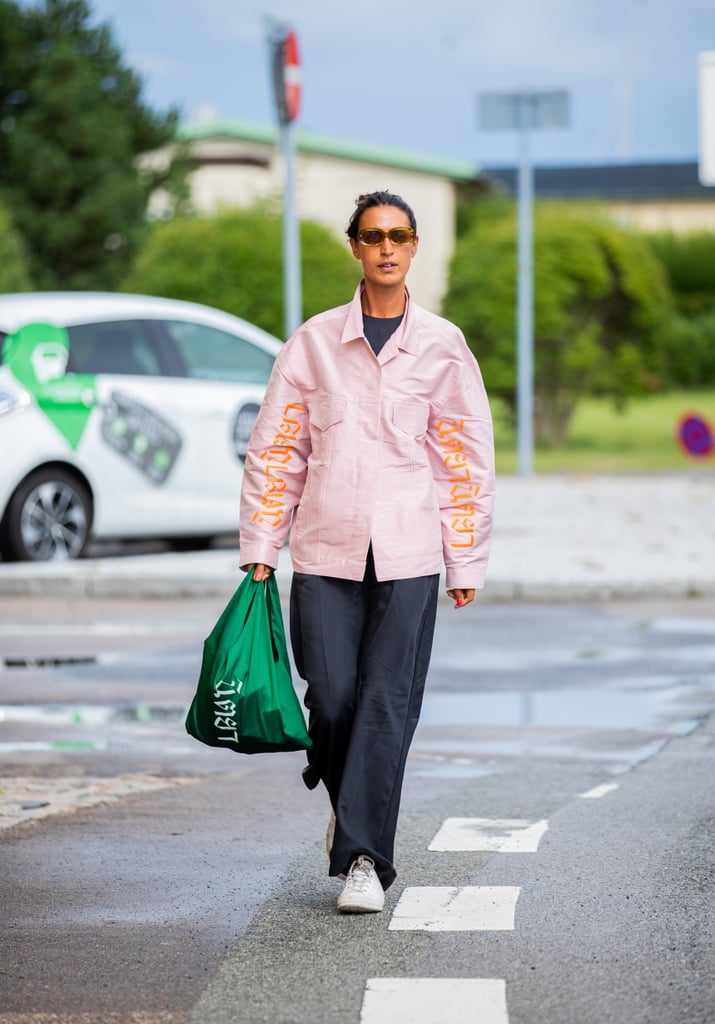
[363, 893]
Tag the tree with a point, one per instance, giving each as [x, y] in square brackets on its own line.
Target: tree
[689, 262]
[73, 124]
[14, 273]
[600, 302]
[234, 261]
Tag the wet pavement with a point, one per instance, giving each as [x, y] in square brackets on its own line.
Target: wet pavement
[143, 876]
[558, 682]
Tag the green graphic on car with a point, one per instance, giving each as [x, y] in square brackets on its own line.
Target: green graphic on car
[145, 439]
[37, 357]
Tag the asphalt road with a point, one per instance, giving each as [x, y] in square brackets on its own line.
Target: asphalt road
[145, 879]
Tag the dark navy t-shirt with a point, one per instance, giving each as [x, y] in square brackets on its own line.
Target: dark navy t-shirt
[379, 328]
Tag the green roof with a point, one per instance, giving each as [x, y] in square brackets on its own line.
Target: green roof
[307, 142]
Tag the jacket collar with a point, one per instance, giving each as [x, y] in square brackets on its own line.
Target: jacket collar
[404, 338]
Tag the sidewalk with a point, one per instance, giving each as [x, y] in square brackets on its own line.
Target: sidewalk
[556, 538]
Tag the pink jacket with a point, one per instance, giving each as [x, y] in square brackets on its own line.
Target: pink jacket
[353, 448]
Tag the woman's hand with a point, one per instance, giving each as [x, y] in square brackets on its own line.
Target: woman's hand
[262, 572]
[461, 597]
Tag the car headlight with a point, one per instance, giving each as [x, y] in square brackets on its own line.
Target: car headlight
[13, 401]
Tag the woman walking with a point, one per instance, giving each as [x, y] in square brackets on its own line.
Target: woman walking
[374, 445]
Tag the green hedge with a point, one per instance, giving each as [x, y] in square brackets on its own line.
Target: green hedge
[234, 261]
[14, 264]
[689, 264]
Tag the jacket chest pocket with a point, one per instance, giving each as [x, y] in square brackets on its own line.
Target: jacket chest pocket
[411, 418]
[326, 415]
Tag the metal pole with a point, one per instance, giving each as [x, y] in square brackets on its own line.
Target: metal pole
[525, 301]
[291, 238]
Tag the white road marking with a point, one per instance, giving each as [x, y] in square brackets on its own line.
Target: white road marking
[40, 746]
[445, 909]
[598, 791]
[58, 714]
[434, 1001]
[498, 835]
[110, 629]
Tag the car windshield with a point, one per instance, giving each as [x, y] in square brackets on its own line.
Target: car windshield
[211, 354]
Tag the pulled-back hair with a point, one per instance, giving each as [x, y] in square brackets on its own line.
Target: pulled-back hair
[370, 199]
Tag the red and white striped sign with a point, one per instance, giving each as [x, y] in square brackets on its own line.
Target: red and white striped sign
[291, 75]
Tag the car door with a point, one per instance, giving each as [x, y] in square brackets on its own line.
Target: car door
[175, 404]
[138, 447]
[225, 379]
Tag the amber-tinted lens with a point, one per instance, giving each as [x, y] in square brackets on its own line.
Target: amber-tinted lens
[375, 236]
[401, 236]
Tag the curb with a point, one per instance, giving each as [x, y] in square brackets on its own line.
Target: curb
[556, 539]
[93, 581]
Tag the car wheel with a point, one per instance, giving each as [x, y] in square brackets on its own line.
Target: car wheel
[48, 518]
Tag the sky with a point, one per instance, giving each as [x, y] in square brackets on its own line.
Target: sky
[407, 74]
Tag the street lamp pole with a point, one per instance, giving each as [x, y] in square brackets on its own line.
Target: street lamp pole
[521, 112]
[291, 237]
[525, 300]
[286, 81]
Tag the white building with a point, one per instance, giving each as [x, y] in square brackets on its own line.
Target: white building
[235, 164]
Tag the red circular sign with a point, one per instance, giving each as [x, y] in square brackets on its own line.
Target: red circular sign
[696, 436]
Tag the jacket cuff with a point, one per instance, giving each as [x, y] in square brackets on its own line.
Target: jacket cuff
[257, 553]
[465, 577]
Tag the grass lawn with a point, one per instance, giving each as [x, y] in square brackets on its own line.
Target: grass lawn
[642, 438]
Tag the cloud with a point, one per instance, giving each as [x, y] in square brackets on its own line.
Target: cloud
[374, 71]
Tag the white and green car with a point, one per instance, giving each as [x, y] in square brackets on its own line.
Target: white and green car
[122, 416]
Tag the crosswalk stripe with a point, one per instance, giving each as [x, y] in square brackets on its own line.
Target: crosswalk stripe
[446, 909]
[434, 1001]
[599, 791]
[499, 835]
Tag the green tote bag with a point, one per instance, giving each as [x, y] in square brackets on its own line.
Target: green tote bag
[245, 698]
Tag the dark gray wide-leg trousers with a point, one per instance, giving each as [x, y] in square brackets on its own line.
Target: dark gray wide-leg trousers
[364, 650]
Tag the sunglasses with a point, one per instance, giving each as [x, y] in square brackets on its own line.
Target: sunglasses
[376, 236]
